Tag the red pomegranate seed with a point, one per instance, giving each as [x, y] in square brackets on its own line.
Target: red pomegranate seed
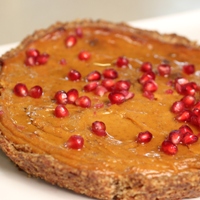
[189, 69]
[61, 97]
[164, 69]
[185, 129]
[75, 142]
[184, 116]
[177, 107]
[91, 86]
[189, 138]
[84, 55]
[72, 95]
[20, 90]
[147, 77]
[122, 85]
[146, 67]
[70, 41]
[32, 53]
[144, 137]
[179, 84]
[93, 76]
[169, 148]
[35, 92]
[189, 89]
[116, 97]
[74, 75]
[100, 90]
[195, 120]
[110, 73]
[108, 84]
[127, 94]
[150, 86]
[79, 32]
[99, 128]
[30, 61]
[61, 111]
[188, 101]
[42, 59]
[196, 112]
[197, 105]
[122, 62]
[83, 102]
[175, 137]
[148, 95]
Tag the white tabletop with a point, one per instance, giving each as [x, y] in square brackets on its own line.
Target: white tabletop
[21, 17]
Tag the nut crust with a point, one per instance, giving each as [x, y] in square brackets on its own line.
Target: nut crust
[107, 185]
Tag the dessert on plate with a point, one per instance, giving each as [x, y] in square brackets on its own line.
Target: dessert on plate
[104, 109]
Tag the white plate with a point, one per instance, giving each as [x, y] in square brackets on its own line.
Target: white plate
[15, 184]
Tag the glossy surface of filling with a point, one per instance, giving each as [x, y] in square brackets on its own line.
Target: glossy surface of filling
[33, 121]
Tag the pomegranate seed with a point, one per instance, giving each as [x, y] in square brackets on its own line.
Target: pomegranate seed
[189, 69]
[195, 120]
[84, 55]
[72, 95]
[61, 97]
[91, 86]
[122, 85]
[189, 138]
[150, 86]
[144, 137]
[169, 148]
[185, 129]
[61, 111]
[116, 97]
[188, 101]
[177, 107]
[63, 61]
[79, 32]
[184, 116]
[30, 61]
[100, 90]
[127, 94]
[35, 92]
[83, 102]
[189, 89]
[20, 90]
[175, 137]
[179, 83]
[99, 128]
[108, 84]
[42, 59]
[110, 73]
[75, 142]
[164, 69]
[197, 105]
[147, 77]
[70, 41]
[122, 62]
[196, 112]
[32, 53]
[146, 67]
[93, 76]
[148, 95]
[74, 75]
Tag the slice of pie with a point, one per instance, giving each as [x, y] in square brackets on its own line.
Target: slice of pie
[105, 110]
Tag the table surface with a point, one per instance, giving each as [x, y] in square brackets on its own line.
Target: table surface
[20, 18]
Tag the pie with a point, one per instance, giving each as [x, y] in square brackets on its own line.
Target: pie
[104, 109]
